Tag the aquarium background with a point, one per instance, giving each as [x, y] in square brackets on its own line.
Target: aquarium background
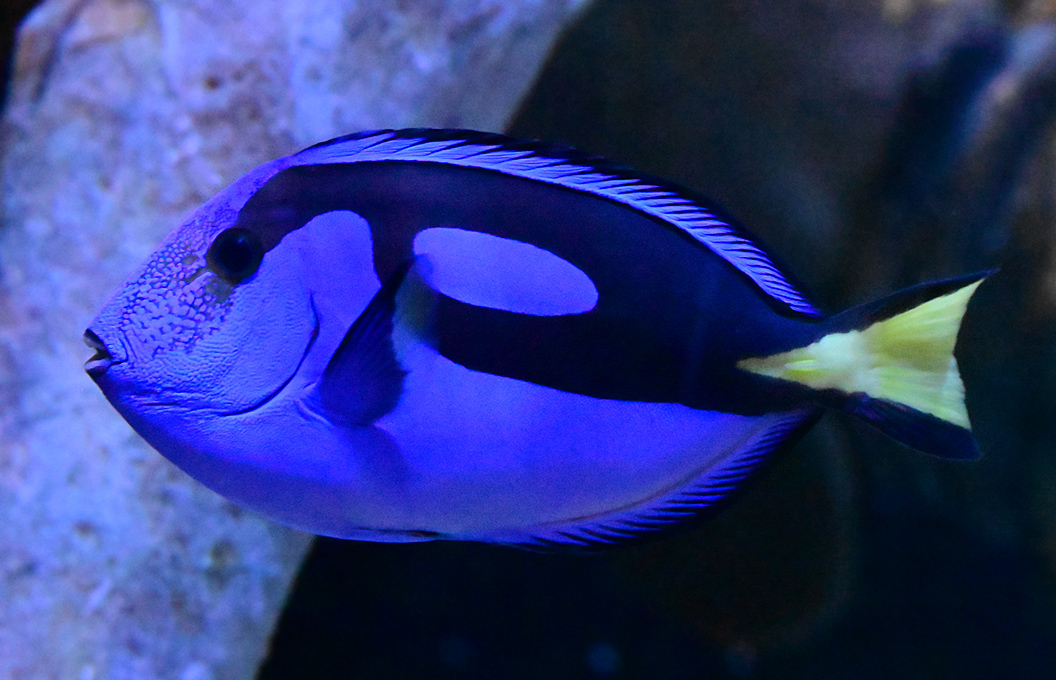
[872, 145]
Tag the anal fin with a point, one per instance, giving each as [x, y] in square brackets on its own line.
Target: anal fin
[709, 491]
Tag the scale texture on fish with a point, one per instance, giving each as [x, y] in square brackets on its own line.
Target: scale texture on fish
[441, 334]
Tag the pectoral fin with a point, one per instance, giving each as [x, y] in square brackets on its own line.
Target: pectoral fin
[364, 379]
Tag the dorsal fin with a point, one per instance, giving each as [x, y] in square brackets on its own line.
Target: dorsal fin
[574, 170]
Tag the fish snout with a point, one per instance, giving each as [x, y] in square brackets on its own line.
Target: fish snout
[99, 362]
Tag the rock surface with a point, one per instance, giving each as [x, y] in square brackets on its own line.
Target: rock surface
[123, 115]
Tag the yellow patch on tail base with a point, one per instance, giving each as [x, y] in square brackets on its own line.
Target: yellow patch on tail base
[906, 359]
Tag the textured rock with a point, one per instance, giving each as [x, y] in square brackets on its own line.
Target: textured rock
[123, 115]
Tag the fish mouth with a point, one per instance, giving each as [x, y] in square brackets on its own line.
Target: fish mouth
[102, 360]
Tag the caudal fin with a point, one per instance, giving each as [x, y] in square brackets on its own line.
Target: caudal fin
[893, 360]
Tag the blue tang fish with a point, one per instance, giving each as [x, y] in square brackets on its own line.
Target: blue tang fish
[441, 334]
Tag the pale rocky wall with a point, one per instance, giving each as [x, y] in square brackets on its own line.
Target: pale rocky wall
[122, 116]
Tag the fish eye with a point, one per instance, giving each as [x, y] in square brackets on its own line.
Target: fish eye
[235, 254]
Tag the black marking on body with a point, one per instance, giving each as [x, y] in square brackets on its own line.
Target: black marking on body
[672, 317]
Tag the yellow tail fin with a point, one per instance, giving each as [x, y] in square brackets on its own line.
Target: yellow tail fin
[906, 359]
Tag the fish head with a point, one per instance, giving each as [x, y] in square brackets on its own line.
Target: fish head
[209, 325]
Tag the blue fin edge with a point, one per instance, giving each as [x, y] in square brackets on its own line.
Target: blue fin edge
[711, 492]
[863, 316]
[916, 429]
[697, 217]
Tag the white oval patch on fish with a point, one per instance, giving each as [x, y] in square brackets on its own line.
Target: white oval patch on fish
[501, 273]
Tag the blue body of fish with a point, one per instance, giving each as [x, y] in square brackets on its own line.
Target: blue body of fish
[421, 334]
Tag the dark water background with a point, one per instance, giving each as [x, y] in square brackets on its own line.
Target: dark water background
[870, 156]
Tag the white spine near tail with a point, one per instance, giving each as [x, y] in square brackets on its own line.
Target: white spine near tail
[907, 359]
